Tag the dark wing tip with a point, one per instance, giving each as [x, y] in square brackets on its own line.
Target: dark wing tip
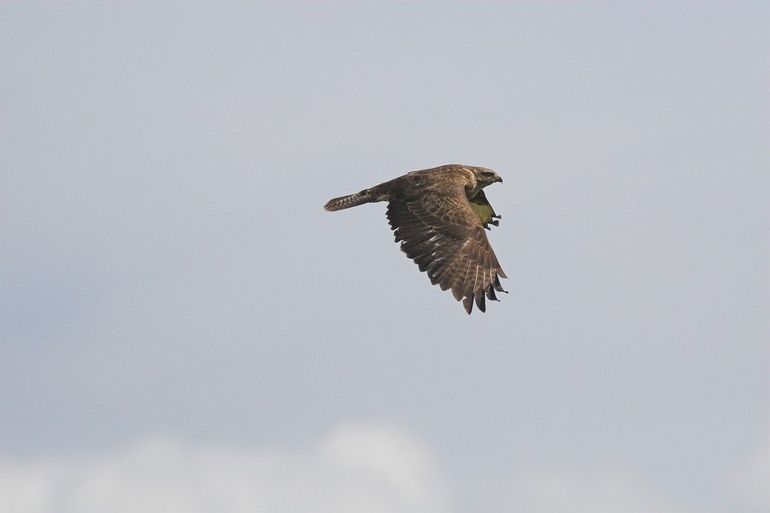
[468, 304]
[480, 301]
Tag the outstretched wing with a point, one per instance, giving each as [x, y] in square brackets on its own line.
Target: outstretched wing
[440, 231]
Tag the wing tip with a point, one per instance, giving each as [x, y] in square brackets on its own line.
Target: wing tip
[468, 304]
[478, 299]
[480, 302]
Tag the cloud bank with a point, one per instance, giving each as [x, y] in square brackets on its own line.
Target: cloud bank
[751, 482]
[355, 468]
[609, 492]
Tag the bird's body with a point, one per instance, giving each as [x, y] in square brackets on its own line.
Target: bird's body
[439, 216]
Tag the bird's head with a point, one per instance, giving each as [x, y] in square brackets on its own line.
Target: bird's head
[485, 176]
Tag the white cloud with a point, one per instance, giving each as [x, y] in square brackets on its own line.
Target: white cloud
[751, 483]
[357, 468]
[610, 492]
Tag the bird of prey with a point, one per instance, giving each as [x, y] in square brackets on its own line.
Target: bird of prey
[439, 216]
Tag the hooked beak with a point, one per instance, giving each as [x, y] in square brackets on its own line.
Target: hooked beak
[499, 179]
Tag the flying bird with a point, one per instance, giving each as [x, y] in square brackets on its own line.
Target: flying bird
[439, 216]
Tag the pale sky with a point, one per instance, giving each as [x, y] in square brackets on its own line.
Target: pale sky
[184, 329]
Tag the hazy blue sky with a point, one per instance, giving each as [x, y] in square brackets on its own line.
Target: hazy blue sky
[184, 329]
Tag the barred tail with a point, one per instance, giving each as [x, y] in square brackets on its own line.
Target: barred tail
[352, 200]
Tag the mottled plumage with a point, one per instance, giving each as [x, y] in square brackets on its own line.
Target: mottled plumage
[439, 216]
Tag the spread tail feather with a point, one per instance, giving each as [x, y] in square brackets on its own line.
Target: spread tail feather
[351, 200]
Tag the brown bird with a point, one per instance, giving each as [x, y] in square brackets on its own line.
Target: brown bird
[439, 216]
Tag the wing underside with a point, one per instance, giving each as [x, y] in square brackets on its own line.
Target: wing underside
[444, 235]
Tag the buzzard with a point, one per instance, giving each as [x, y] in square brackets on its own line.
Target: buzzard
[439, 216]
